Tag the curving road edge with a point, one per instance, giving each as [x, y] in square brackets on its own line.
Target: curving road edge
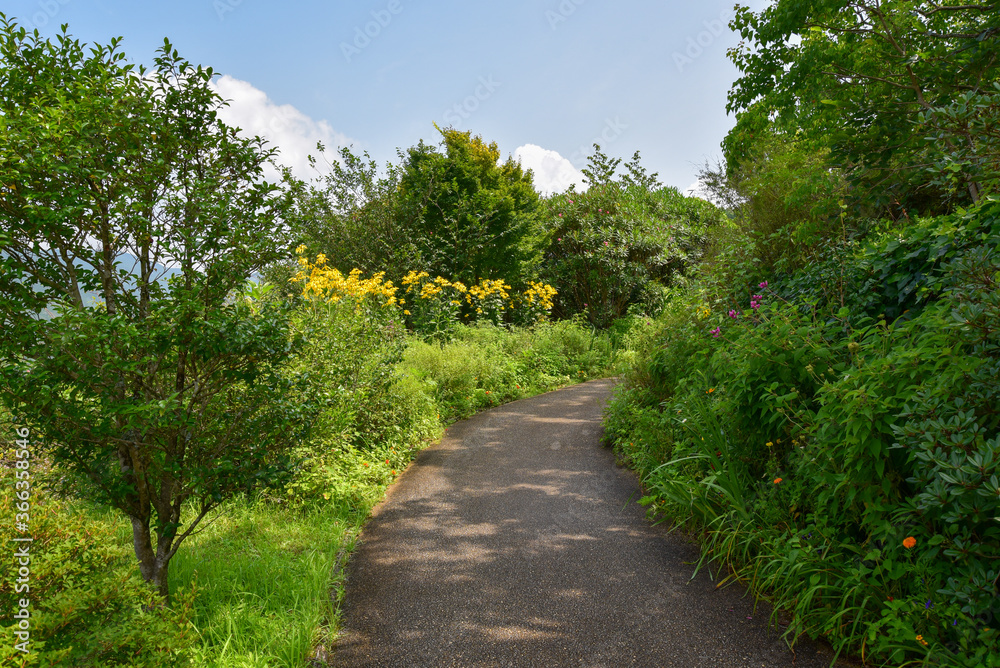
[517, 541]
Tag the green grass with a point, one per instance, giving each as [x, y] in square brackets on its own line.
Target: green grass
[264, 574]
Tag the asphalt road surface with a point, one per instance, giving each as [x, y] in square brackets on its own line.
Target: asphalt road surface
[517, 541]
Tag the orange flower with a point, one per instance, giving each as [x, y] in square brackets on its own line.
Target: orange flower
[777, 481]
[909, 542]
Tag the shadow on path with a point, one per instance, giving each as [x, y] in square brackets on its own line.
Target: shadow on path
[517, 541]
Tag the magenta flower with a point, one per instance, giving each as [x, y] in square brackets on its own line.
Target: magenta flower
[716, 332]
[762, 285]
[560, 215]
[571, 201]
[733, 313]
[605, 243]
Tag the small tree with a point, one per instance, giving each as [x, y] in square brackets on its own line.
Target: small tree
[130, 216]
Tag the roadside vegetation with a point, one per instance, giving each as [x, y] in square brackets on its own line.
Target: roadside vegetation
[817, 403]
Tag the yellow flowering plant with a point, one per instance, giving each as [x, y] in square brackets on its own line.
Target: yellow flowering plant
[324, 284]
[432, 305]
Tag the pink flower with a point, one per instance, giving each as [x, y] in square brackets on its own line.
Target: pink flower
[560, 215]
[605, 243]
[733, 313]
[559, 239]
[762, 285]
[571, 201]
[716, 332]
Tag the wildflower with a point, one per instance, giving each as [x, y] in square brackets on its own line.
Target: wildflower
[928, 605]
[777, 481]
[394, 471]
[605, 243]
[920, 639]
[769, 444]
[710, 390]
[560, 215]
[716, 332]
[387, 462]
[571, 201]
[762, 285]
[364, 463]
[559, 239]
[909, 542]
[733, 313]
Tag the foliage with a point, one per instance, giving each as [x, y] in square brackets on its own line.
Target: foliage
[485, 366]
[353, 216]
[127, 189]
[843, 461]
[781, 196]
[885, 86]
[469, 216]
[618, 244]
[87, 607]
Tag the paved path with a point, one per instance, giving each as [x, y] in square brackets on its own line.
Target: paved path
[516, 541]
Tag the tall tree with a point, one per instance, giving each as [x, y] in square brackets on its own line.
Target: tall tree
[898, 90]
[469, 214]
[130, 219]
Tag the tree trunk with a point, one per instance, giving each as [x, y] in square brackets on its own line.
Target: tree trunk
[153, 566]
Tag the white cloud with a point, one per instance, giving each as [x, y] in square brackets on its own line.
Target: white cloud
[553, 173]
[282, 125]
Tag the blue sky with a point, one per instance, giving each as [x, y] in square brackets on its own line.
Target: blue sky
[544, 79]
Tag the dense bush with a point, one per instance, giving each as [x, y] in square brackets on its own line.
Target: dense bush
[88, 606]
[835, 436]
[618, 245]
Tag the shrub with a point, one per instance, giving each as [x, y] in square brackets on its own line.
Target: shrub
[88, 607]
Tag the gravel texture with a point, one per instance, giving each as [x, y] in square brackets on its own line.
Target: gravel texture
[517, 541]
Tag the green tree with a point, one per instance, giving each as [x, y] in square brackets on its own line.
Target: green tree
[618, 244]
[352, 214]
[470, 217]
[130, 219]
[898, 91]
